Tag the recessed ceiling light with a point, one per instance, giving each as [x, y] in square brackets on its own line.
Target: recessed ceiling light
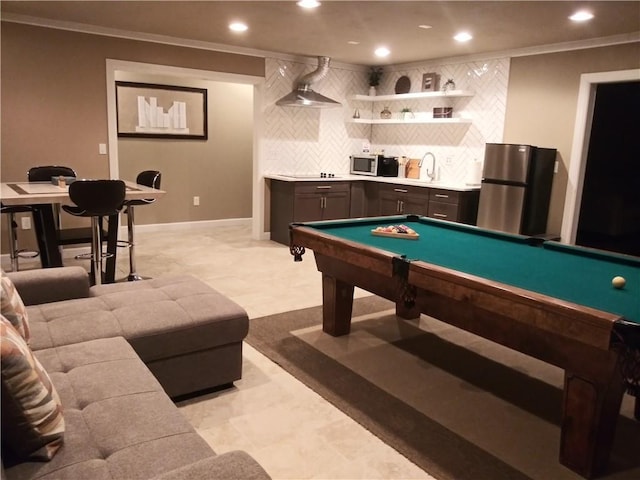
[581, 16]
[463, 37]
[426, 27]
[382, 52]
[238, 27]
[308, 3]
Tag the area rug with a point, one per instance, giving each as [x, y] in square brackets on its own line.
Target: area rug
[443, 398]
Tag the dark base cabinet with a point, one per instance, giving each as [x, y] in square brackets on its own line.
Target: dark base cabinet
[313, 201]
[306, 202]
[452, 205]
[461, 207]
[402, 199]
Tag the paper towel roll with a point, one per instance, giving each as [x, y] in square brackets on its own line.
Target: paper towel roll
[474, 173]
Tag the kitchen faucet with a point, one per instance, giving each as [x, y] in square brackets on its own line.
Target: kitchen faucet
[432, 174]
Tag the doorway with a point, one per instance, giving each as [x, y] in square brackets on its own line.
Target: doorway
[113, 66]
[580, 145]
[609, 217]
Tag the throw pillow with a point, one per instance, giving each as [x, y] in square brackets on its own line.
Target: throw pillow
[32, 421]
[12, 308]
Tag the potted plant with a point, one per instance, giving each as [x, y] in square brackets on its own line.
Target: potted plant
[375, 74]
[406, 113]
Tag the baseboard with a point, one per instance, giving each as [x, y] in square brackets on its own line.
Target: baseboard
[182, 226]
[70, 252]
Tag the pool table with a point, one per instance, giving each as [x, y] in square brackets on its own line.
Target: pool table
[549, 300]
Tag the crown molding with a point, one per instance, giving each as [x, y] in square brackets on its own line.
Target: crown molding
[528, 51]
[165, 39]
[218, 47]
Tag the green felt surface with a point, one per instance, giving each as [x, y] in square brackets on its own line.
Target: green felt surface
[569, 273]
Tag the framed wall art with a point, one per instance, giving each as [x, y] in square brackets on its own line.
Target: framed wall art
[148, 110]
[430, 82]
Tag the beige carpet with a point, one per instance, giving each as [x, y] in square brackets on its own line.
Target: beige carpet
[457, 405]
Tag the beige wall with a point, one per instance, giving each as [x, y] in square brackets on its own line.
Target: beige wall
[218, 170]
[54, 108]
[542, 102]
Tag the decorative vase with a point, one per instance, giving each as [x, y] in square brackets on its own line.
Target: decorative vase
[385, 114]
[372, 91]
[356, 114]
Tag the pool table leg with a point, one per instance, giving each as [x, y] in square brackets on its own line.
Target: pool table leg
[337, 305]
[590, 414]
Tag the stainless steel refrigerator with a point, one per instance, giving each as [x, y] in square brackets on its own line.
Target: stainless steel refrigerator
[516, 188]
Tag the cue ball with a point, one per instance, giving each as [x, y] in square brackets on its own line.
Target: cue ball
[618, 282]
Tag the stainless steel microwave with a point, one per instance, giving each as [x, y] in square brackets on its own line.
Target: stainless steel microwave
[364, 164]
[374, 165]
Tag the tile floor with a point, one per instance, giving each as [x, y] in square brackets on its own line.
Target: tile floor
[284, 425]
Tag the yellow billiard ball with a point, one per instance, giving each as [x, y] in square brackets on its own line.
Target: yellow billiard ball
[618, 282]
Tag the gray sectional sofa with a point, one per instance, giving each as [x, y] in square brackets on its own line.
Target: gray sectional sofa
[115, 354]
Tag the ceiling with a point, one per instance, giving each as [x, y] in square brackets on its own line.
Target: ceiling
[285, 28]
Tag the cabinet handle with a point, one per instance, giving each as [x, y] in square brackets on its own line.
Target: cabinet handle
[400, 190]
[401, 206]
[440, 195]
[324, 187]
[440, 215]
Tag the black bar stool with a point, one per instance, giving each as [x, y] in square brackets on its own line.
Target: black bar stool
[96, 199]
[66, 236]
[148, 178]
[14, 251]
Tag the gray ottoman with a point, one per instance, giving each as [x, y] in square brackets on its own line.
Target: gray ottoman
[189, 335]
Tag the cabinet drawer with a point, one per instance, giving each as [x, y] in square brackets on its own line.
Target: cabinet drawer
[444, 196]
[322, 187]
[443, 211]
[399, 189]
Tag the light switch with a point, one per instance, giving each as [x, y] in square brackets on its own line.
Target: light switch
[102, 148]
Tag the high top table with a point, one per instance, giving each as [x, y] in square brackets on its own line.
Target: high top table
[43, 195]
[551, 301]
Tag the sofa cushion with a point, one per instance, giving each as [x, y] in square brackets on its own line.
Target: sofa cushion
[229, 465]
[120, 423]
[161, 318]
[32, 422]
[12, 308]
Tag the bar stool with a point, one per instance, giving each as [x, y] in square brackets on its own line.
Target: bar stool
[14, 251]
[66, 236]
[148, 178]
[96, 199]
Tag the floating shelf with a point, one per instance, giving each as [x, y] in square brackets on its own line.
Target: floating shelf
[413, 96]
[397, 121]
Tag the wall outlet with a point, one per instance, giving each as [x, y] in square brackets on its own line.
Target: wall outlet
[448, 161]
[26, 223]
[196, 201]
[102, 148]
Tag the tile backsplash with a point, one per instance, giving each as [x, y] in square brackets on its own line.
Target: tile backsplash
[308, 140]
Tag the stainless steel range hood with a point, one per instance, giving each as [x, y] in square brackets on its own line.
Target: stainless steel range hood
[304, 96]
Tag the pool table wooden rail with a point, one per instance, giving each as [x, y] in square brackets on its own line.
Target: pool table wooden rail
[566, 335]
[371, 269]
[575, 338]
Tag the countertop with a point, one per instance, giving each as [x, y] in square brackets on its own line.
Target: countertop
[459, 187]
